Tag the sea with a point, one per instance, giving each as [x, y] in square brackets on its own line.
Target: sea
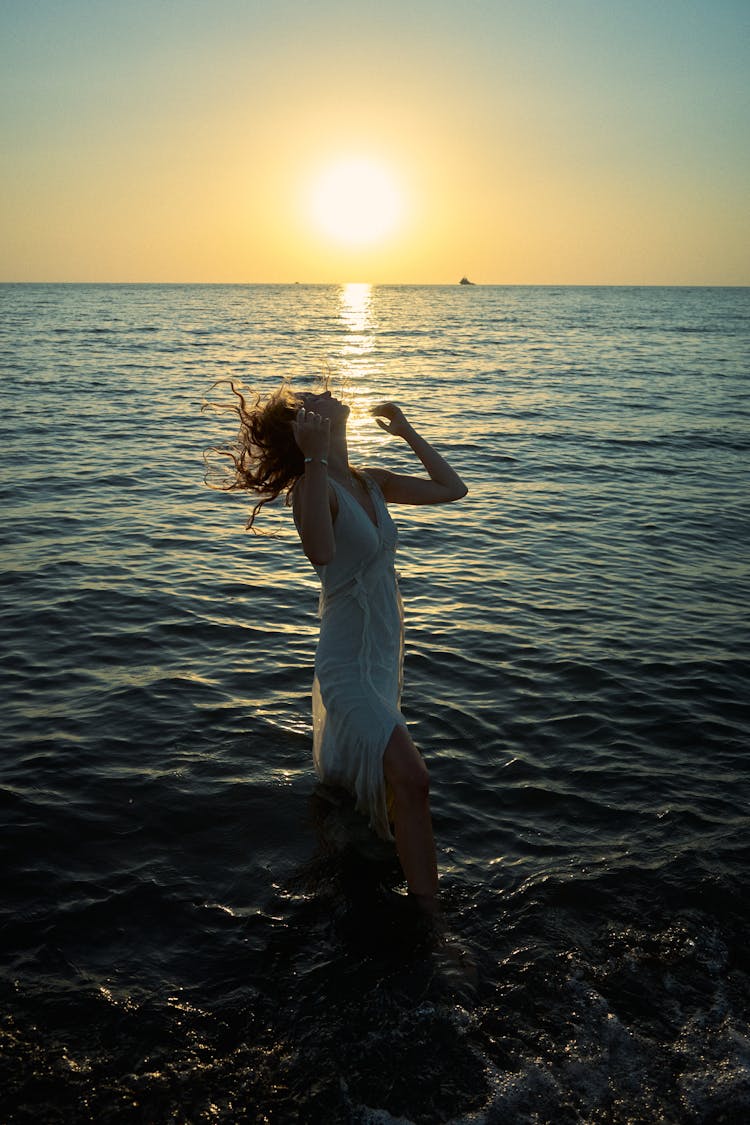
[192, 929]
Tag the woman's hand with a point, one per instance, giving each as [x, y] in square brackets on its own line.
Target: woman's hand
[396, 424]
[312, 433]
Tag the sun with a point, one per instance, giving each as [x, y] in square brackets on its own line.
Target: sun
[356, 201]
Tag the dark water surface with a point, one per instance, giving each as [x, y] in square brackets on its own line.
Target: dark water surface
[192, 930]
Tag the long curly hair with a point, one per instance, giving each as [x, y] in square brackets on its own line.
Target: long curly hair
[264, 458]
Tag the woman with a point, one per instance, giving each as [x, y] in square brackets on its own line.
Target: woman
[298, 442]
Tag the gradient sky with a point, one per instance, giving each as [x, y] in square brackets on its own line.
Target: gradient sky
[530, 141]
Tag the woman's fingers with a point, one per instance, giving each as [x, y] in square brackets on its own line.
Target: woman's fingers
[396, 420]
[386, 408]
[312, 433]
[310, 418]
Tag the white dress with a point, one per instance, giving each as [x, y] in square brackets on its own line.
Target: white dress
[356, 693]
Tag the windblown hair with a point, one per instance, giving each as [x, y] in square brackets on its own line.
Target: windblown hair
[264, 458]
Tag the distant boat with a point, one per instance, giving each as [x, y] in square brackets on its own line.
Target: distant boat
[465, 281]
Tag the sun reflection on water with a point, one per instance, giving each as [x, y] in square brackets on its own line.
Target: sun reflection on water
[356, 306]
[358, 366]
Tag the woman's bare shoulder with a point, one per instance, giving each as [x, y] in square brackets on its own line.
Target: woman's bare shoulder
[380, 476]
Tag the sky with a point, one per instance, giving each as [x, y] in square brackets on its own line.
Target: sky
[398, 141]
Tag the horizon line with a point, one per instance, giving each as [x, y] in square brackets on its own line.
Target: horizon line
[411, 284]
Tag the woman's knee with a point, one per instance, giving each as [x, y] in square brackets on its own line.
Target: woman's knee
[405, 769]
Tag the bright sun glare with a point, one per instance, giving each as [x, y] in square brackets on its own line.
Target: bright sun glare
[356, 201]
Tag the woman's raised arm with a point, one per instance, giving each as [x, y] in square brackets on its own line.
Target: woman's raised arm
[311, 503]
[444, 484]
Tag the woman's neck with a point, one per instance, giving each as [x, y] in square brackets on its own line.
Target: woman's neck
[338, 456]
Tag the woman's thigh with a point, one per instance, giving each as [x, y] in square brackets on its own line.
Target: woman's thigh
[403, 765]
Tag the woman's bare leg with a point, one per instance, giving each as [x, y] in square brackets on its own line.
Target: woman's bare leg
[407, 776]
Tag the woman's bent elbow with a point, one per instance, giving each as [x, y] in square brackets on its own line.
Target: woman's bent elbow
[320, 558]
[458, 493]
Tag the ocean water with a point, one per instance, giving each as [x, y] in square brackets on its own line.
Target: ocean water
[190, 930]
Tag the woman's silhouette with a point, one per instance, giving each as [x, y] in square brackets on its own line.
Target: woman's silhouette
[297, 442]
